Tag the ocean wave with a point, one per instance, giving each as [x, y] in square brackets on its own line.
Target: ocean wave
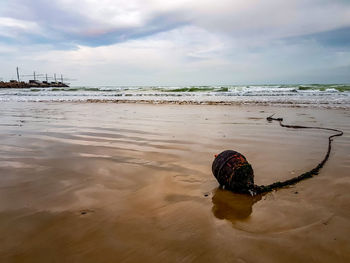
[332, 95]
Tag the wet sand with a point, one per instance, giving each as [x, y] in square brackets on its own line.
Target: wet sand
[105, 182]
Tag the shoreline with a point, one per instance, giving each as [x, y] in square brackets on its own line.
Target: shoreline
[224, 103]
[287, 104]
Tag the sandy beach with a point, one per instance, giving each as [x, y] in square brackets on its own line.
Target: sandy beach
[108, 182]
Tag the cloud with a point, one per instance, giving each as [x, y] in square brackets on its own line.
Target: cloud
[15, 28]
[177, 42]
[337, 38]
[93, 23]
[106, 22]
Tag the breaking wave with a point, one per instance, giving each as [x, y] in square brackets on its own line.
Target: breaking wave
[337, 95]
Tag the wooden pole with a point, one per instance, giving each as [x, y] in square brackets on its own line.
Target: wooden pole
[17, 74]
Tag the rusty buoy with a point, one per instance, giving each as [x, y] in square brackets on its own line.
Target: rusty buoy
[232, 170]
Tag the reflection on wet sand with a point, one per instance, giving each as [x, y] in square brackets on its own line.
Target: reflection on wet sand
[233, 207]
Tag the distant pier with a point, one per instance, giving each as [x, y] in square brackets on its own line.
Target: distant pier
[19, 84]
[31, 84]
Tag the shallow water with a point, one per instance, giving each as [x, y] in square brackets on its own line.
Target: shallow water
[82, 182]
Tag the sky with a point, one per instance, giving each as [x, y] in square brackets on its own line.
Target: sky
[178, 42]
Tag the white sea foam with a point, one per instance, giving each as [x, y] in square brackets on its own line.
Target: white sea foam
[311, 95]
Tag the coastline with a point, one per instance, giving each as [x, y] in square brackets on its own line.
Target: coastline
[284, 104]
[223, 103]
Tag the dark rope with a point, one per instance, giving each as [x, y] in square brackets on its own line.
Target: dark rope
[264, 189]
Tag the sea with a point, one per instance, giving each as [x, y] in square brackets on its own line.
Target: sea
[314, 95]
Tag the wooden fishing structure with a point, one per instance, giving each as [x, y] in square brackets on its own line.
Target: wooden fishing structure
[35, 81]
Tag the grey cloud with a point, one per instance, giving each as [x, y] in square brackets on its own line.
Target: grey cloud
[67, 27]
[333, 38]
[238, 41]
[261, 21]
[337, 39]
